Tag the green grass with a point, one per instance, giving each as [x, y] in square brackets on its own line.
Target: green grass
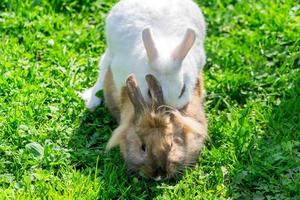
[51, 147]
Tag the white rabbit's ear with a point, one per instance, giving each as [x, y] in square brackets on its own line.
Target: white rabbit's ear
[149, 45]
[185, 46]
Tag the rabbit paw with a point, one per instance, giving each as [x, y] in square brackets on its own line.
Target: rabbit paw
[90, 99]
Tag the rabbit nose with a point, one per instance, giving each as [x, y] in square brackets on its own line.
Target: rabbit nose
[160, 173]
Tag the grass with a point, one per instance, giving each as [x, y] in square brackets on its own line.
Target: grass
[51, 147]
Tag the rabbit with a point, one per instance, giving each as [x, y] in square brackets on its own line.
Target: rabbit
[155, 139]
[160, 37]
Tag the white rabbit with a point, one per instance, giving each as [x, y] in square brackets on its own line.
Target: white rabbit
[160, 37]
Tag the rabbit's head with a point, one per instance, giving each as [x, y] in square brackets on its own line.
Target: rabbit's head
[159, 141]
[168, 61]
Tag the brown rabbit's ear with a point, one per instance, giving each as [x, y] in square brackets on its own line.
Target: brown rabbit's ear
[155, 90]
[117, 137]
[135, 95]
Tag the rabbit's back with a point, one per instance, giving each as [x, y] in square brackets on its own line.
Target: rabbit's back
[168, 21]
[166, 18]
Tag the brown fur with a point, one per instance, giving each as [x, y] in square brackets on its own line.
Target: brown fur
[111, 95]
[173, 138]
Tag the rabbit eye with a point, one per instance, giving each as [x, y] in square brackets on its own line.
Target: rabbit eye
[178, 140]
[182, 91]
[143, 147]
[149, 94]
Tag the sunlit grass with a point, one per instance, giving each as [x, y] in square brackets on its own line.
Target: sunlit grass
[51, 147]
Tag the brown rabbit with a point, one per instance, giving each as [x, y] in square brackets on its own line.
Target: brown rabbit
[155, 139]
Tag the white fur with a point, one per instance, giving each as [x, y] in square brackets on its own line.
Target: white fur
[168, 21]
[89, 96]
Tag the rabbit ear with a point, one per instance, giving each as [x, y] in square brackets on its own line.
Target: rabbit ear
[117, 136]
[185, 46]
[149, 45]
[135, 95]
[155, 90]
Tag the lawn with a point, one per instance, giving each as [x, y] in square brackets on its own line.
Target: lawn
[52, 147]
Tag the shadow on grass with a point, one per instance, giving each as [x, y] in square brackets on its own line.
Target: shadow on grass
[89, 156]
[271, 168]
